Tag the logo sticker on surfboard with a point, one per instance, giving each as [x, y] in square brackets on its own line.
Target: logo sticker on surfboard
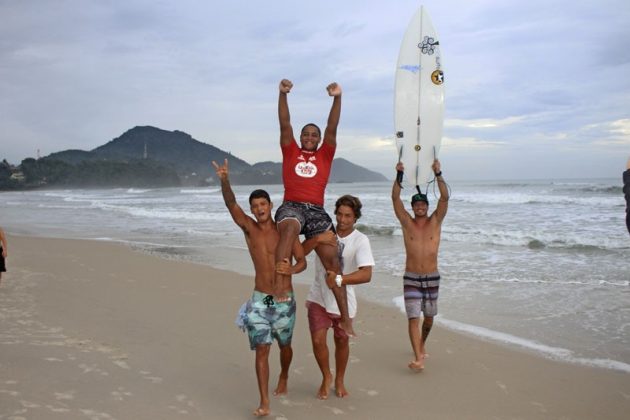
[428, 44]
[437, 77]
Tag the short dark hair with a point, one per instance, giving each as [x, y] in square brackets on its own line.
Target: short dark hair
[259, 194]
[419, 197]
[312, 125]
[351, 201]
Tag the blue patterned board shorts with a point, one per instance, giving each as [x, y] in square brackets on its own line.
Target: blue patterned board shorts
[421, 294]
[266, 320]
[313, 219]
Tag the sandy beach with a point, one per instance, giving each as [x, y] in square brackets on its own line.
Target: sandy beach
[94, 330]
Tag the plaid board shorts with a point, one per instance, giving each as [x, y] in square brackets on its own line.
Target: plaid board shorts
[421, 294]
[313, 219]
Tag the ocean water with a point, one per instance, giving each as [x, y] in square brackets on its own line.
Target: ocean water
[542, 265]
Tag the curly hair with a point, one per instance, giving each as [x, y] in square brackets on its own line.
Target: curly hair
[351, 201]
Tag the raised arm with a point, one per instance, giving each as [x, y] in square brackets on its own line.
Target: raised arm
[399, 208]
[442, 205]
[237, 213]
[286, 131]
[330, 134]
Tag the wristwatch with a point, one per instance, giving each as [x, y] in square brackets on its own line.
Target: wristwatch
[339, 280]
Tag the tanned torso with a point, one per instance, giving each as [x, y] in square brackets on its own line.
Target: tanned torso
[422, 240]
[261, 242]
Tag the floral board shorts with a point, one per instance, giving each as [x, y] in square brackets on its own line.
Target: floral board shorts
[266, 320]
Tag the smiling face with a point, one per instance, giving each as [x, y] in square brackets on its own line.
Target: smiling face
[345, 219]
[420, 208]
[261, 209]
[310, 137]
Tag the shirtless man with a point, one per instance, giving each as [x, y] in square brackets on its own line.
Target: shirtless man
[626, 192]
[266, 319]
[3, 253]
[305, 172]
[421, 281]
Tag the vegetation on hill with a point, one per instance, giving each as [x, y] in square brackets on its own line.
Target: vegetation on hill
[152, 157]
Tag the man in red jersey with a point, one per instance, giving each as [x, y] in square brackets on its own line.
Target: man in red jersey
[305, 172]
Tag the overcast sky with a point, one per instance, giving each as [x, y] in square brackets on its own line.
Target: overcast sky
[534, 89]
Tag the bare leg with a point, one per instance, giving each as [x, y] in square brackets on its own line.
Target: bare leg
[262, 374]
[286, 355]
[289, 230]
[414, 336]
[320, 349]
[426, 329]
[330, 259]
[342, 354]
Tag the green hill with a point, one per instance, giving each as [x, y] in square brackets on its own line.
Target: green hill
[149, 156]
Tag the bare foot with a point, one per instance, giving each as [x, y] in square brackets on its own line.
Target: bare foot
[340, 389]
[261, 411]
[282, 388]
[416, 365]
[347, 327]
[322, 394]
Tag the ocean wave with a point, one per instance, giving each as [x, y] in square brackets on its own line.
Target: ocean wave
[136, 191]
[593, 189]
[200, 191]
[500, 198]
[163, 213]
[514, 280]
[550, 352]
[587, 243]
[377, 230]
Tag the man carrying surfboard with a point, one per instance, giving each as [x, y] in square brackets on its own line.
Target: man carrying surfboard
[421, 281]
[305, 173]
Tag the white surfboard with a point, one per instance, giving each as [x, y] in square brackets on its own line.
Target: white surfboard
[419, 100]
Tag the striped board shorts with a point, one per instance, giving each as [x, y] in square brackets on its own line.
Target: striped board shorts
[421, 294]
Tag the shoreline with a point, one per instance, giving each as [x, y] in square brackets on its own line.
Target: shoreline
[94, 328]
[504, 339]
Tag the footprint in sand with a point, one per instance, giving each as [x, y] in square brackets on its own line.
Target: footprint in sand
[154, 379]
[57, 409]
[334, 410]
[68, 395]
[120, 362]
[540, 406]
[120, 394]
[183, 400]
[370, 392]
[285, 401]
[95, 415]
[92, 369]
[9, 392]
[502, 386]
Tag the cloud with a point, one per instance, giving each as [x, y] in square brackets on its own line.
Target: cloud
[466, 143]
[483, 122]
[532, 76]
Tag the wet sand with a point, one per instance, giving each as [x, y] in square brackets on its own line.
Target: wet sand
[95, 330]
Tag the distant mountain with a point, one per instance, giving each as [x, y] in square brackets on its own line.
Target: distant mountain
[346, 171]
[191, 159]
[342, 171]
